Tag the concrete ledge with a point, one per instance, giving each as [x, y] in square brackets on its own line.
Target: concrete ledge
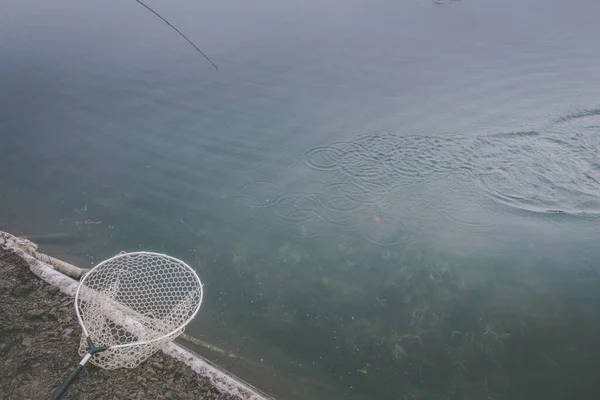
[28, 247]
[221, 380]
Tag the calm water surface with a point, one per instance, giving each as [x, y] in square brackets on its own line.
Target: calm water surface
[386, 200]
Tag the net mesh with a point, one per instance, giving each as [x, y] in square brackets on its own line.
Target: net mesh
[137, 302]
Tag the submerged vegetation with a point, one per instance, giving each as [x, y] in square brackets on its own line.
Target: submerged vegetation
[403, 323]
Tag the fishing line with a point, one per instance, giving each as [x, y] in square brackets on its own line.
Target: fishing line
[177, 30]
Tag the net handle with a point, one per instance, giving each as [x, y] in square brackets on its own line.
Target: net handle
[92, 349]
[136, 253]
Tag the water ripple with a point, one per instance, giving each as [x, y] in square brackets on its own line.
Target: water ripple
[383, 187]
[552, 171]
[390, 156]
[247, 202]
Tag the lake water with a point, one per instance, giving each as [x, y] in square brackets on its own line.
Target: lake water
[385, 200]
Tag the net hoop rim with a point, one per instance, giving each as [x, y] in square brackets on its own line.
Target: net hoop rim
[150, 253]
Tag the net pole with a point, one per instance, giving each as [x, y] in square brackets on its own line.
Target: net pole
[92, 349]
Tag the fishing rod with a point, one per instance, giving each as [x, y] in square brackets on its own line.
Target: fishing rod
[178, 31]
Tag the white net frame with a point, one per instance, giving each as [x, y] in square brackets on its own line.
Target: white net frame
[134, 304]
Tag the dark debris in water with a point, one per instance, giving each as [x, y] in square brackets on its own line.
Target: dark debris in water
[415, 325]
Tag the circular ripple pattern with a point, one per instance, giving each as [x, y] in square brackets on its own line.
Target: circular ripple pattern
[134, 304]
[556, 170]
[375, 170]
[390, 157]
[362, 175]
[295, 213]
